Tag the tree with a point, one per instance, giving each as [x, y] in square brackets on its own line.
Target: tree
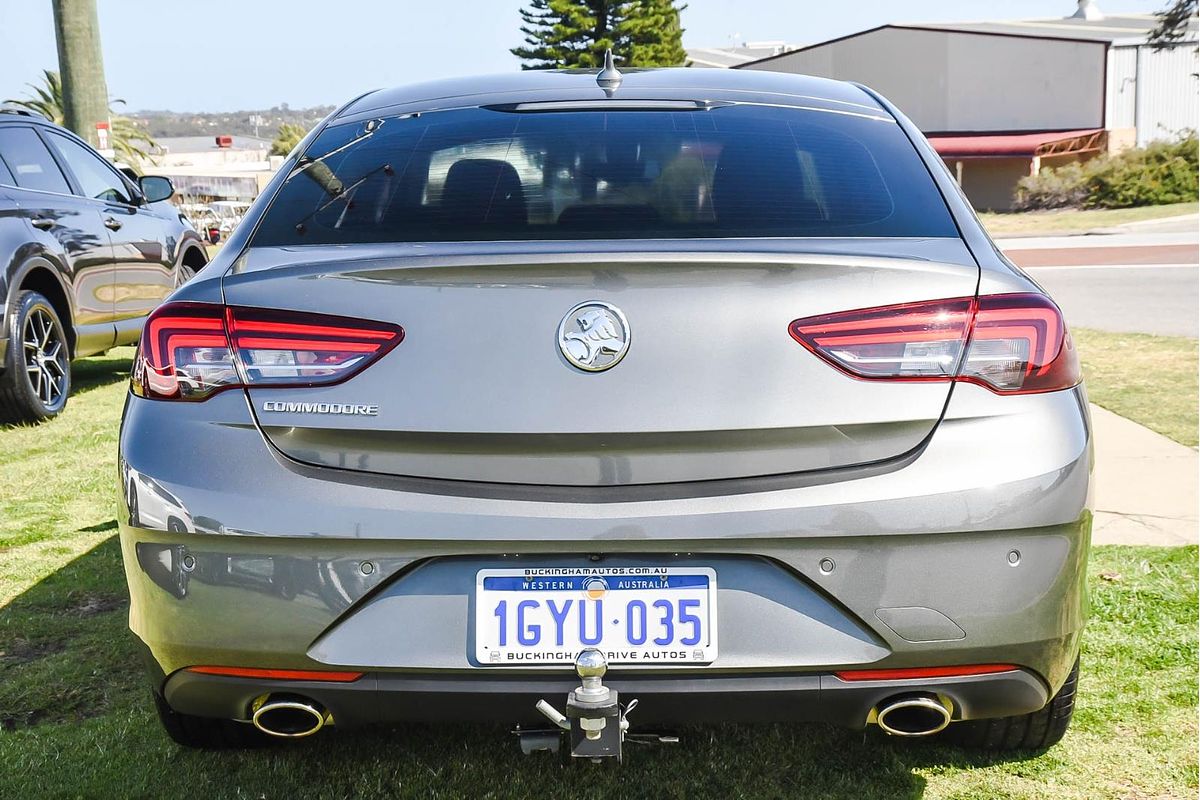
[287, 138]
[654, 34]
[575, 33]
[130, 142]
[84, 100]
[1172, 23]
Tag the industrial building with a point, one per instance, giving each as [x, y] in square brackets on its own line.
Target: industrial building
[215, 167]
[1003, 99]
[729, 57]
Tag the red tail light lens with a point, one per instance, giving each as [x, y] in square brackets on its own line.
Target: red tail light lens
[183, 353]
[1013, 343]
[285, 348]
[189, 351]
[1020, 344]
[915, 341]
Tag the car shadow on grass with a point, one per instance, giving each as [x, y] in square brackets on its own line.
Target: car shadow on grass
[72, 688]
[103, 370]
[88, 375]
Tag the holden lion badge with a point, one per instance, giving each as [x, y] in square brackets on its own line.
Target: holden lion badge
[594, 336]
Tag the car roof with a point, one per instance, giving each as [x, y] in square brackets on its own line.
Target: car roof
[17, 114]
[22, 116]
[636, 84]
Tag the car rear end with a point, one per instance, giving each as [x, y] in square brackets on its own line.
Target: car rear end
[728, 386]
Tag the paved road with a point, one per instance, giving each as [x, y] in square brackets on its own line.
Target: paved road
[1123, 283]
[1161, 300]
[1103, 256]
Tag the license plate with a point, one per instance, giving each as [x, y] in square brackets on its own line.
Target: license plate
[634, 615]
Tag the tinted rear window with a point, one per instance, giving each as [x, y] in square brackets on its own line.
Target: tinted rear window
[733, 171]
[29, 161]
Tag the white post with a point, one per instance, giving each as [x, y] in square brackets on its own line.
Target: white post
[1139, 97]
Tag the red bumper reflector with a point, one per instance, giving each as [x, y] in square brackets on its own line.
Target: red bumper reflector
[916, 673]
[279, 674]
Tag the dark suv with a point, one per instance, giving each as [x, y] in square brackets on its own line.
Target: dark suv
[85, 255]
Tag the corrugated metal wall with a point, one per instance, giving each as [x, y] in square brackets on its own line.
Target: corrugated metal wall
[1156, 92]
[1122, 87]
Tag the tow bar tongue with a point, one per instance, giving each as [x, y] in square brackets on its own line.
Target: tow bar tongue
[594, 724]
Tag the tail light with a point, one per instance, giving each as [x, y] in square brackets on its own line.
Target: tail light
[189, 351]
[1010, 343]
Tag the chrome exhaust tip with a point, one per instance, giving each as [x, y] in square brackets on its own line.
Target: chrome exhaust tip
[913, 715]
[289, 716]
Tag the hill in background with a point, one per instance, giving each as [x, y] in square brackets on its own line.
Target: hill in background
[262, 123]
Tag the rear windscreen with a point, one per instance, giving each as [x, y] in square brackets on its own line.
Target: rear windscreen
[491, 175]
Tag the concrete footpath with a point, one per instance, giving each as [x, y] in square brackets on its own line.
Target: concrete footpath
[1136, 277]
[1146, 485]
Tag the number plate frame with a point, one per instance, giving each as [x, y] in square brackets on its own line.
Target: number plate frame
[622, 584]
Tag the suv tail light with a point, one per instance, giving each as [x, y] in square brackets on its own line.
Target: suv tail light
[1010, 343]
[189, 351]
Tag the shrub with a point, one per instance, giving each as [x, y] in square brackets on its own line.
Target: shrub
[1163, 172]
[1055, 187]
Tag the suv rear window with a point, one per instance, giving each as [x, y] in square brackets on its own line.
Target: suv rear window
[490, 175]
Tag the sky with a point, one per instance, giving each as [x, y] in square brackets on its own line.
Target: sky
[228, 55]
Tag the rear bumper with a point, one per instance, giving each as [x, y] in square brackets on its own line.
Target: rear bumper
[972, 551]
[661, 700]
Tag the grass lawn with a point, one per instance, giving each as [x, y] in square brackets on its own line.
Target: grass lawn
[1070, 220]
[1149, 379]
[76, 721]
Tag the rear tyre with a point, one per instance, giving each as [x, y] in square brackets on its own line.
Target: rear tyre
[205, 733]
[36, 380]
[1036, 731]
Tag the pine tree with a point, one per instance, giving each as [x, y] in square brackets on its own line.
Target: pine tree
[653, 35]
[575, 33]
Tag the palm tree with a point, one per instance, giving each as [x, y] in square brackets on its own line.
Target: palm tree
[130, 142]
[287, 138]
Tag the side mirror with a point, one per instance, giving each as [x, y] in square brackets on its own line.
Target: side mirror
[156, 188]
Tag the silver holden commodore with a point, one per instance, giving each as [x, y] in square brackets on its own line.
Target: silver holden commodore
[537, 397]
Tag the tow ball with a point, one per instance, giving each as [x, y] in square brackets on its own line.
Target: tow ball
[595, 723]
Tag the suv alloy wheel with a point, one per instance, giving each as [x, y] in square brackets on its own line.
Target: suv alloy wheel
[37, 378]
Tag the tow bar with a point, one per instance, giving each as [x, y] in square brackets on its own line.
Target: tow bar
[595, 724]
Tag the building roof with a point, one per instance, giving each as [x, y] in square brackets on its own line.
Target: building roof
[1114, 28]
[1014, 145]
[727, 57]
[205, 144]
